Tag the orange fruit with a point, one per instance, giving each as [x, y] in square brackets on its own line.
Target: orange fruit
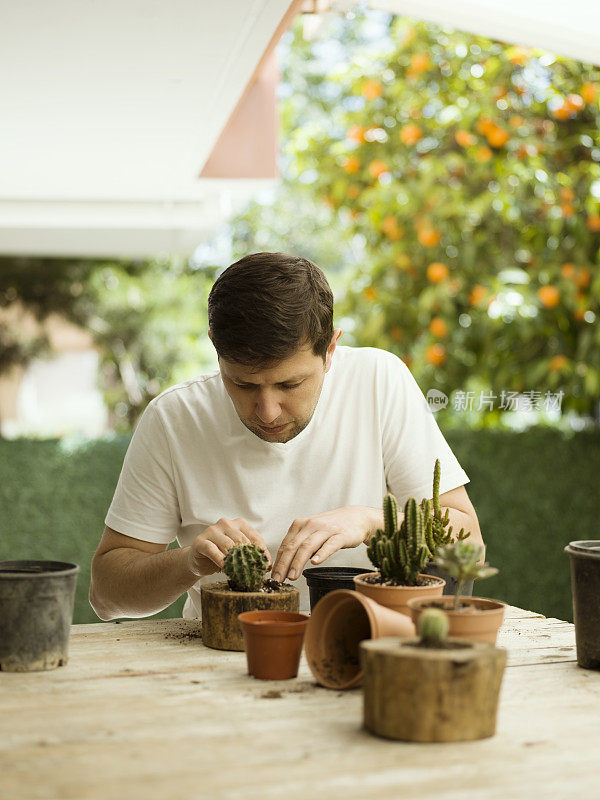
[593, 223]
[438, 328]
[579, 313]
[549, 296]
[410, 134]
[351, 164]
[372, 89]
[377, 168]
[567, 210]
[477, 294]
[483, 154]
[589, 92]
[464, 138]
[574, 102]
[435, 354]
[396, 333]
[583, 278]
[437, 272]
[429, 237]
[557, 363]
[518, 55]
[516, 121]
[420, 62]
[568, 270]
[389, 226]
[485, 125]
[370, 293]
[562, 112]
[353, 191]
[356, 133]
[567, 195]
[497, 137]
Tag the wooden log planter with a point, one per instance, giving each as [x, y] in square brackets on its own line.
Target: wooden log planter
[420, 693]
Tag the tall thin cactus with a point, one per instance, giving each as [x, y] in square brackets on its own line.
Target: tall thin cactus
[438, 532]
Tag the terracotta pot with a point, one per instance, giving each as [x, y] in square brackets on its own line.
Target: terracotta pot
[273, 641]
[396, 597]
[338, 623]
[585, 590]
[221, 608]
[479, 624]
[423, 694]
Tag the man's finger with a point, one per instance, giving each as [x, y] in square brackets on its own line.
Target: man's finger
[254, 536]
[328, 548]
[287, 549]
[310, 546]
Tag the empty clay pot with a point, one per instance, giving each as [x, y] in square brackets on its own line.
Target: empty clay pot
[479, 623]
[396, 597]
[338, 623]
[273, 642]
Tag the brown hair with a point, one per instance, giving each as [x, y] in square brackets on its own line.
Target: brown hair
[266, 306]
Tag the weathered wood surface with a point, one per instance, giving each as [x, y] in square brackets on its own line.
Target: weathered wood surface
[144, 710]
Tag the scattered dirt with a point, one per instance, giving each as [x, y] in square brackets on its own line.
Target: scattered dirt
[184, 636]
[272, 694]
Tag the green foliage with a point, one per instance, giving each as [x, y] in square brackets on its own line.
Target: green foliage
[461, 177]
[433, 626]
[459, 560]
[148, 319]
[400, 554]
[245, 566]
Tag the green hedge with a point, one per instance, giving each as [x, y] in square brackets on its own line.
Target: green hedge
[533, 491]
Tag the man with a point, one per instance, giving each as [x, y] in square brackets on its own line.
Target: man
[291, 444]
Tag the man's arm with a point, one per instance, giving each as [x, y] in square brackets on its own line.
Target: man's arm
[135, 578]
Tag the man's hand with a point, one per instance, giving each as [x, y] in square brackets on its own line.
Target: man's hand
[319, 536]
[207, 553]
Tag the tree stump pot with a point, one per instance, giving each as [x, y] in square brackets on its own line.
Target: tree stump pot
[422, 694]
[221, 606]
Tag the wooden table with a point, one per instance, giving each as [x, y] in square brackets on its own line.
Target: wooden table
[144, 710]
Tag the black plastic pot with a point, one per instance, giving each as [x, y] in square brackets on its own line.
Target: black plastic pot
[36, 612]
[585, 587]
[451, 583]
[322, 580]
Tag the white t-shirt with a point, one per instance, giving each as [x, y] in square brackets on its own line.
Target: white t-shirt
[192, 461]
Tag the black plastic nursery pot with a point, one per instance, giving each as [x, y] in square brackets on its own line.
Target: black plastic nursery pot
[451, 583]
[585, 587]
[322, 580]
[36, 612]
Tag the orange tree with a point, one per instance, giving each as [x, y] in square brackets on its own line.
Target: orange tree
[469, 173]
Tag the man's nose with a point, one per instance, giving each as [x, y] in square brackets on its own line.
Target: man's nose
[268, 408]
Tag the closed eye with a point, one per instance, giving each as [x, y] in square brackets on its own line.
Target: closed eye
[252, 386]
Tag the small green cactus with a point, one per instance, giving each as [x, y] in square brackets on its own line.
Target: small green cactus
[459, 560]
[437, 530]
[433, 626]
[400, 553]
[245, 566]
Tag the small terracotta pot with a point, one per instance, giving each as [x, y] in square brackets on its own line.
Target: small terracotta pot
[396, 597]
[338, 623]
[479, 624]
[273, 641]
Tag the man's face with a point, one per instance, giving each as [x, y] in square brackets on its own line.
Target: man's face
[277, 403]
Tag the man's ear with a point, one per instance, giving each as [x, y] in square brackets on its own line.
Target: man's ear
[209, 335]
[336, 335]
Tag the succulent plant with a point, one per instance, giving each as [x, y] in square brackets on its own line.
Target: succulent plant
[433, 626]
[438, 532]
[400, 553]
[245, 566]
[459, 560]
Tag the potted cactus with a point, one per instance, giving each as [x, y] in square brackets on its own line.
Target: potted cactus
[246, 589]
[474, 618]
[399, 554]
[431, 689]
